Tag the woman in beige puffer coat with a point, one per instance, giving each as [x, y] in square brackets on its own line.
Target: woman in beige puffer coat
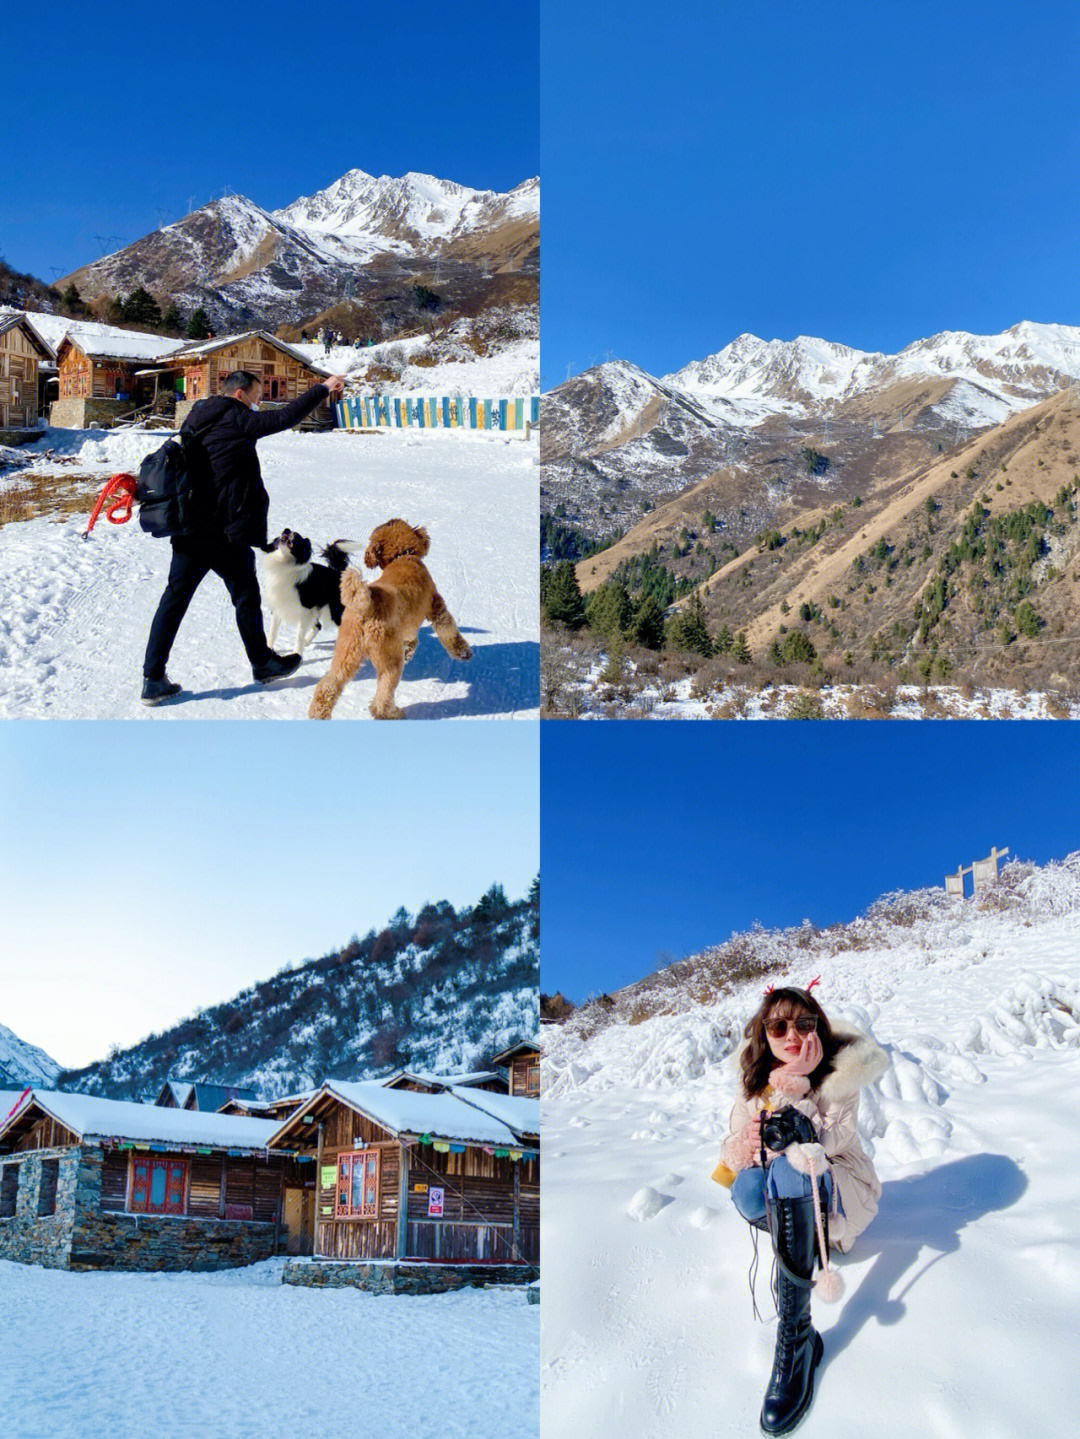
[814, 1187]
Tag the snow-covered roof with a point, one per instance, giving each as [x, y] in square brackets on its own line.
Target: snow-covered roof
[8, 1100]
[517, 1113]
[92, 1118]
[16, 319]
[179, 1091]
[404, 1111]
[102, 343]
[421, 1076]
[192, 352]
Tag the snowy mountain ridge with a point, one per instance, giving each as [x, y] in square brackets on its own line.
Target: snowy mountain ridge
[1018, 367]
[22, 1064]
[241, 261]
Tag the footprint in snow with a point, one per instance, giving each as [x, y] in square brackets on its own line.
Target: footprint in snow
[703, 1217]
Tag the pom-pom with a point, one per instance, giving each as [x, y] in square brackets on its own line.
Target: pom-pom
[807, 1158]
[830, 1285]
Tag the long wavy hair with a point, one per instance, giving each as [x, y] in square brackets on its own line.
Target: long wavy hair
[758, 1060]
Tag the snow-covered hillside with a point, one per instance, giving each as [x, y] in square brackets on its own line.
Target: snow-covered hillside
[440, 991]
[130, 1345]
[22, 1063]
[509, 362]
[961, 1312]
[76, 614]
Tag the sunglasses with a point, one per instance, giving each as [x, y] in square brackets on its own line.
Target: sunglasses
[777, 1028]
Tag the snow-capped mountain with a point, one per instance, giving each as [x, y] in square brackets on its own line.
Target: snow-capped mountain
[1016, 368]
[241, 262]
[440, 991]
[22, 1063]
[977, 1236]
[401, 212]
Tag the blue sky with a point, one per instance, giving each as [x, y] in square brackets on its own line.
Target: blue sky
[871, 174]
[665, 838]
[146, 871]
[118, 118]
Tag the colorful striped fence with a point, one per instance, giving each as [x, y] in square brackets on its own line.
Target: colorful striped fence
[371, 412]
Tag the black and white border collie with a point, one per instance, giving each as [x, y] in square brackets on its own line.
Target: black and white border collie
[301, 593]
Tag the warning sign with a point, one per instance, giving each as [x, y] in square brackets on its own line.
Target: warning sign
[435, 1203]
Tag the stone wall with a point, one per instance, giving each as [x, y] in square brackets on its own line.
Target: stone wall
[80, 1236]
[404, 1278]
[152, 1241]
[33, 1238]
[87, 414]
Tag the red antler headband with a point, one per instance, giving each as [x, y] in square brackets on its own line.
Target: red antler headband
[816, 980]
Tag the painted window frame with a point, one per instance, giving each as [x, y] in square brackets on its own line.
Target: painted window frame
[346, 1164]
[154, 1211]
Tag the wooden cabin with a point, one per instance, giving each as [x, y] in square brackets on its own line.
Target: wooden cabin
[285, 373]
[106, 374]
[22, 352]
[444, 1178]
[523, 1062]
[88, 1183]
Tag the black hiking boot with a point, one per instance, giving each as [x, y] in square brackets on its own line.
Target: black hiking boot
[798, 1344]
[154, 691]
[275, 668]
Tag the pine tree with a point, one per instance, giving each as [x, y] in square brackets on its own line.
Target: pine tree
[114, 312]
[687, 629]
[741, 649]
[140, 308]
[198, 327]
[172, 320]
[647, 625]
[561, 601]
[610, 610]
[71, 301]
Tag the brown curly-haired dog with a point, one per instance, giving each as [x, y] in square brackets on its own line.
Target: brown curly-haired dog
[381, 619]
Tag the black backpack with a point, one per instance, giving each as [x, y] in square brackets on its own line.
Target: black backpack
[168, 490]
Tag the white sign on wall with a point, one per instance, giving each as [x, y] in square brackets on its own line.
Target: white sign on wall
[435, 1203]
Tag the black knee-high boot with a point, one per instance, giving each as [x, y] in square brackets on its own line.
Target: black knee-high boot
[798, 1344]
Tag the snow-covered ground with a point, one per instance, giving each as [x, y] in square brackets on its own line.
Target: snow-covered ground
[75, 614]
[650, 697]
[238, 1353]
[961, 1315]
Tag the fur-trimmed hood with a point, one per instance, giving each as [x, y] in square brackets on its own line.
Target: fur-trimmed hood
[859, 1063]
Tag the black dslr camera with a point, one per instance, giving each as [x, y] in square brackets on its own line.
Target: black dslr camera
[786, 1126]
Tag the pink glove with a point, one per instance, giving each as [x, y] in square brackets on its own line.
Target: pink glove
[743, 1150]
[790, 1078]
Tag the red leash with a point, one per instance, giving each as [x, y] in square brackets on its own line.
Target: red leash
[119, 512]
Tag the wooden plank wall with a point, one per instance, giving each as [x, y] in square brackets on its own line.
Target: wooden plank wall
[18, 379]
[46, 1134]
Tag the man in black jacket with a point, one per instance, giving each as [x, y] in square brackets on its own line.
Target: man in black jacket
[219, 445]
